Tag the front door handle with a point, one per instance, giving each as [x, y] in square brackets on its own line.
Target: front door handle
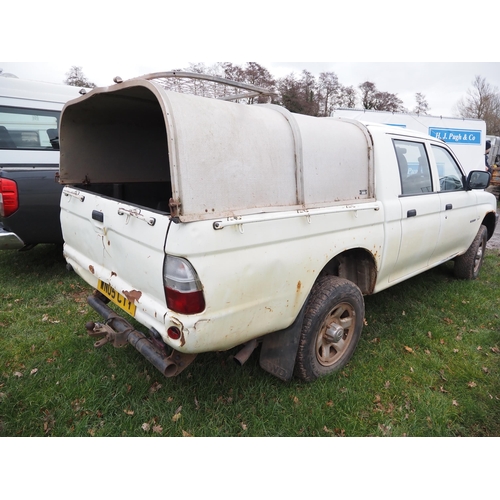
[449, 206]
[411, 213]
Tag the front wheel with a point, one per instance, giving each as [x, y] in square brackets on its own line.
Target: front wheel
[331, 329]
[467, 266]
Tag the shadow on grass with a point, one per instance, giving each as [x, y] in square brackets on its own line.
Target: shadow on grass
[39, 259]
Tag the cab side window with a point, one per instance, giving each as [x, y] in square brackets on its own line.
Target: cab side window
[450, 175]
[413, 167]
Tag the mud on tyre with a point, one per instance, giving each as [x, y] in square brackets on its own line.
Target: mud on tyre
[467, 266]
[331, 329]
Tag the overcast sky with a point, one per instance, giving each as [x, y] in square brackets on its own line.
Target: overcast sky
[107, 39]
[443, 84]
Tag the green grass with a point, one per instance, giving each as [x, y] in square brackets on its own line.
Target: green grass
[428, 364]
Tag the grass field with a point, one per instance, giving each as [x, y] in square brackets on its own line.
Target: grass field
[428, 364]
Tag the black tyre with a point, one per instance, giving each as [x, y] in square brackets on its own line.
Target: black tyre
[331, 329]
[467, 266]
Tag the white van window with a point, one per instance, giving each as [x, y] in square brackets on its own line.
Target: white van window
[413, 167]
[450, 175]
[29, 129]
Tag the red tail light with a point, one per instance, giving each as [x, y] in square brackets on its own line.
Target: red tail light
[185, 302]
[9, 201]
[183, 289]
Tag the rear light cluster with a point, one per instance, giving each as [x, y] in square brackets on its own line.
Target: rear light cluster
[9, 201]
[183, 289]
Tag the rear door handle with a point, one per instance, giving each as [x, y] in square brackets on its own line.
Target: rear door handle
[97, 215]
[411, 213]
[449, 206]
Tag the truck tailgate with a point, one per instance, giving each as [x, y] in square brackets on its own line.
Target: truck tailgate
[107, 240]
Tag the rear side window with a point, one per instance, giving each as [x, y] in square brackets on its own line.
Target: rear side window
[29, 129]
[413, 167]
[450, 175]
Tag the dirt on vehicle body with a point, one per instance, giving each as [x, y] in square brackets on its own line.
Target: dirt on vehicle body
[217, 224]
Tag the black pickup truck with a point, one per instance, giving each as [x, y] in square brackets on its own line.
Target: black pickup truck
[29, 161]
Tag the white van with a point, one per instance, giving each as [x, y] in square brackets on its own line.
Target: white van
[465, 136]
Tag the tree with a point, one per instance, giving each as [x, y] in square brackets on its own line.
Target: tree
[371, 98]
[347, 97]
[368, 91]
[299, 96]
[386, 101]
[310, 94]
[290, 95]
[328, 92]
[251, 73]
[255, 74]
[230, 71]
[422, 106]
[331, 94]
[76, 78]
[482, 101]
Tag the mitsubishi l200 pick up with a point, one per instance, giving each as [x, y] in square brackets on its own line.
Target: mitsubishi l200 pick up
[217, 224]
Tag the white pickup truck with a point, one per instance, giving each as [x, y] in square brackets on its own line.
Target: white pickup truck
[217, 224]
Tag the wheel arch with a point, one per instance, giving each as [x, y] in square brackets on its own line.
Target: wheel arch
[357, 265]
[490, 221]
[279, 349]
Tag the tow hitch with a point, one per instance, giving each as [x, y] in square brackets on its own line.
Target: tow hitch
[119, 332]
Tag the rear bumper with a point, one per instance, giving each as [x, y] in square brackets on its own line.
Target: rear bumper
[9, 241]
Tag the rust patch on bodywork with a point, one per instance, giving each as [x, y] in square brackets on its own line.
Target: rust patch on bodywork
[91, 269]
[299, 286]
[133, 295]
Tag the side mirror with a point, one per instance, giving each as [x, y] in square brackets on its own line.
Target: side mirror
[478, 179]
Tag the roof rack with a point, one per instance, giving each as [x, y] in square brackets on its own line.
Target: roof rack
[205, 85]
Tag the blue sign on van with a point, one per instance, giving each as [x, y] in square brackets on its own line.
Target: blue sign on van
[456, 135]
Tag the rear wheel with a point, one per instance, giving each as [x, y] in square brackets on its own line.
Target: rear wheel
[467, 266]
[331, 329]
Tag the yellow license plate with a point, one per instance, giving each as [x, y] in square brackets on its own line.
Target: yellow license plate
[116, 298]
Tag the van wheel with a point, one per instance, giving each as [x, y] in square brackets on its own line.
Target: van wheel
[467, 266]
[331, 329]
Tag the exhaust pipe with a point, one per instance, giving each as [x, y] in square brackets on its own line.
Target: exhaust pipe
[119, 332]
[242, 356]
[177, 362]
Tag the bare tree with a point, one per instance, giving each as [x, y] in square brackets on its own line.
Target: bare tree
[368, 91]
[333, 95]
[347, 97]
[299, 96]
[310, 93]
[252, 73]
[231, 71]
[386, 101]
[255, 74]
[197, 68]
[289, 89]
[371, 98]
[198, 87]
[76, 78]
[482, 101]
[328, 88]
[422, 106]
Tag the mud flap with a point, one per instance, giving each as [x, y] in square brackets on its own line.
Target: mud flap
[279, 349]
